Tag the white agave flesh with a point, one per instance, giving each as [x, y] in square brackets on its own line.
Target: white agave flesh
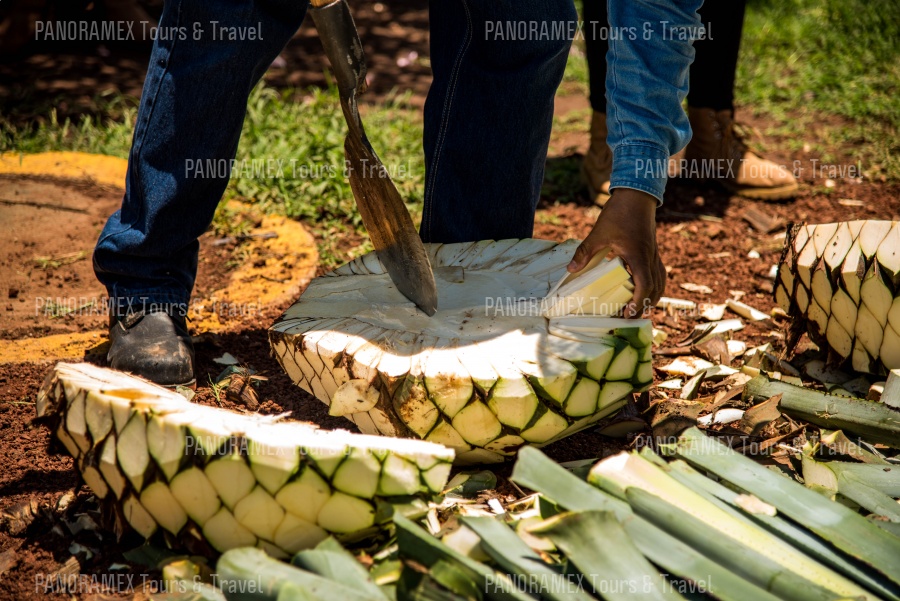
[449, 385]
[821, 288]
[225, 532]
[547, 426]
[894, 314]
[802, 299]
[238, 500]
[818, 316]
[821, 235]
[138, 517]
[876, 295]
[494, 249]
[806, 261]
[353, 396]
[844, 310]
[870, 236]
[196, 494]
[159, 502]
[486, 361]
[869, 332]
[477, 424]
[889, 353]
[888, 254]
[837, 248]
[476, 361]
[858, 267]
[838, 338]
[444, 433]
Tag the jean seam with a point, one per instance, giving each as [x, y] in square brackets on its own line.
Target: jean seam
[631, 185]
[611, 69]
[448, 104]
[641, 144]
[140, 145]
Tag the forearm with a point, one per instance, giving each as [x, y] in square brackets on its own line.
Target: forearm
[647, 80]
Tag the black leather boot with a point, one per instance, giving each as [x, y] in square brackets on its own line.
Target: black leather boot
[154, 345]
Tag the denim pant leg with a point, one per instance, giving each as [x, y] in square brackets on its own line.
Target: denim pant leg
[488, 117]
[191, 111]
[646, 81]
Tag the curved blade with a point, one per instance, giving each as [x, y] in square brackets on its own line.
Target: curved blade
[389, 225]
[382, 209]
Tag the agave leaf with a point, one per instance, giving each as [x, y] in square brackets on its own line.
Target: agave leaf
[838, 524]
[515, 557]
[536, 471]
[596, 543]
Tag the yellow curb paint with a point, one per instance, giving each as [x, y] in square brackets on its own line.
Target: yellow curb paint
[80, 166]
[52, 348]
[273, 271]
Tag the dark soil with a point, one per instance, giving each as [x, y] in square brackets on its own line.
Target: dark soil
[70, 76]
[48, 230]
[702, 236]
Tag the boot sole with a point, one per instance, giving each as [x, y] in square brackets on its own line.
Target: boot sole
[192, 385]
[779, 193]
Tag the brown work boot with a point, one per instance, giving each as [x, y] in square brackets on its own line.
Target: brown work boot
[155, 345]
[717, 152]
[596, 168]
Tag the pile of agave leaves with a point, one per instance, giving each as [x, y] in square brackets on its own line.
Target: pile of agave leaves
[775, 480]
[683, 517]
[698, 521]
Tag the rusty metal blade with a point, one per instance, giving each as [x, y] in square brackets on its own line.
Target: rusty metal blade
[389, 224]
[383, 212]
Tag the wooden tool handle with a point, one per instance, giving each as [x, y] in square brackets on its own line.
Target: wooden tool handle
[320, 3]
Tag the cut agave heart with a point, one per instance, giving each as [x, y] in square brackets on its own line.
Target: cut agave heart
[234, 480]
[841, 282]
[505, 361]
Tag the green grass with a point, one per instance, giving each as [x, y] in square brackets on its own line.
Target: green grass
[111, 136]
[827, 72]
[575, 78]
[829, 67]
[306, 136]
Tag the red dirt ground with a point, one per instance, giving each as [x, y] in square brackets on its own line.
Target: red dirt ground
[686, 242]
[702, 237]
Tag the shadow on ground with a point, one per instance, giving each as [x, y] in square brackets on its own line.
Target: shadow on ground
[77, 78]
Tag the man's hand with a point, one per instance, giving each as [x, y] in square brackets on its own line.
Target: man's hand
[627, 224]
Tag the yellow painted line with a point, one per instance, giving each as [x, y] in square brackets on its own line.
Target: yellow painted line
[273, 271]
[101, 169]
[52, 348]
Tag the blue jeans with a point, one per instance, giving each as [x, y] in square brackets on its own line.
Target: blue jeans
[487, 126]
[646, 82]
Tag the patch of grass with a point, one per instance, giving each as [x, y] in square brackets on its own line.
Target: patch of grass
[830, 66]
[547, 218]
[308, 138]
[57, 262]
[575, 78]
[573, 121]
[827, 71]
[305, 139]
[235, 222]
[111, 135]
